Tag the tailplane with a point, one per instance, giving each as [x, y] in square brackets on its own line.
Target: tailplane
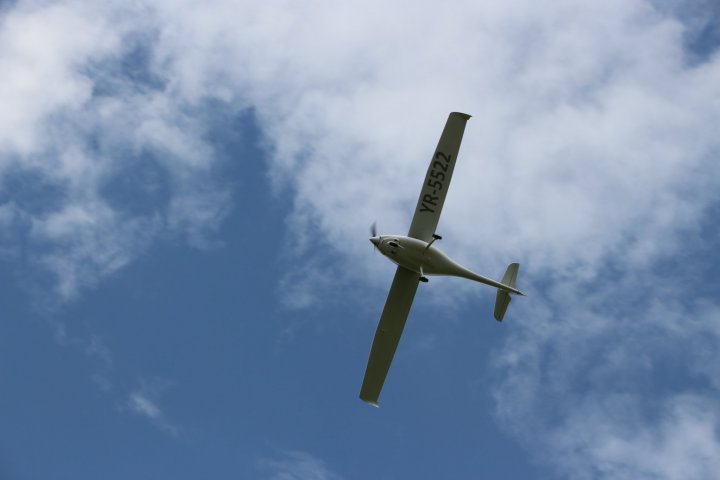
[502, 300]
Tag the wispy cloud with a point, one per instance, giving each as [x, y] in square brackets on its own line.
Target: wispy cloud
[98, 159]
[97, 348]
[615, 383]
[144, 401]
[142, 405]
[619, 439]
[295, 465]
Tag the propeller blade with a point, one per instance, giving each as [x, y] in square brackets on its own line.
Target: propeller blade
[373, 233]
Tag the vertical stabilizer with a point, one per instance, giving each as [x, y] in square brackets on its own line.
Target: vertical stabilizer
[502, 300]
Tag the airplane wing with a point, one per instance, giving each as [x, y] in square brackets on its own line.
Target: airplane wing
[387, 335]
[437, 180]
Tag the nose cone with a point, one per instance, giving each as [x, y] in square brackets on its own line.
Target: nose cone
[375, 240]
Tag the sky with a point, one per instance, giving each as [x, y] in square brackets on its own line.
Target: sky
[188, 290]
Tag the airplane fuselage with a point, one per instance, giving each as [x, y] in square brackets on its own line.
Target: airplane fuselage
[426, 259]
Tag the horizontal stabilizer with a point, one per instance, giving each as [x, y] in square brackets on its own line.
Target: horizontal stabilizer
[502, 300]
[501, 303]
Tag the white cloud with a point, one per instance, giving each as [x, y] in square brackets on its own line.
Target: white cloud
[297, 466]
[588, 123]
[107, 161]
[606, 441]
[144, 406]
[88, 240]
[41, 48]
[144, 401]
[590, 156]
[615, 384]
[586, 115]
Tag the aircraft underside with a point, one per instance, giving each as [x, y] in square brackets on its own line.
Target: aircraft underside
[425, 259]
[416, 257]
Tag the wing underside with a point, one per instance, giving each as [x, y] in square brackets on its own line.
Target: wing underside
[437, 179]
[387, 335]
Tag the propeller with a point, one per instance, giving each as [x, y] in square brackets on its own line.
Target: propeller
[373, 229]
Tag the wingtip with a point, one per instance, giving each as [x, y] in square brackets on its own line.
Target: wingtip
[372, 403]
[463, 115]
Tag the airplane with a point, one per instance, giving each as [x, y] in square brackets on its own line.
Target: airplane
[417, 258]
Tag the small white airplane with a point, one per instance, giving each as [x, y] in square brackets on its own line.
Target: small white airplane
[417, 257]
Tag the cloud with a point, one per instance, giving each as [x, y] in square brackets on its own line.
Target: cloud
[42, 46]
[680, 442]
[98, 160]
[581, 101]
[144, 406]
[616, 383]
[590, 158]
[589, 124]
[297, 466]
[143, 401]
[97, 348]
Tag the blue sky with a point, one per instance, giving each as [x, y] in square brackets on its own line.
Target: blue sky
[186, 190]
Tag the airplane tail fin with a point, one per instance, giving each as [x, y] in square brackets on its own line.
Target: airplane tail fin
[502, 300]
